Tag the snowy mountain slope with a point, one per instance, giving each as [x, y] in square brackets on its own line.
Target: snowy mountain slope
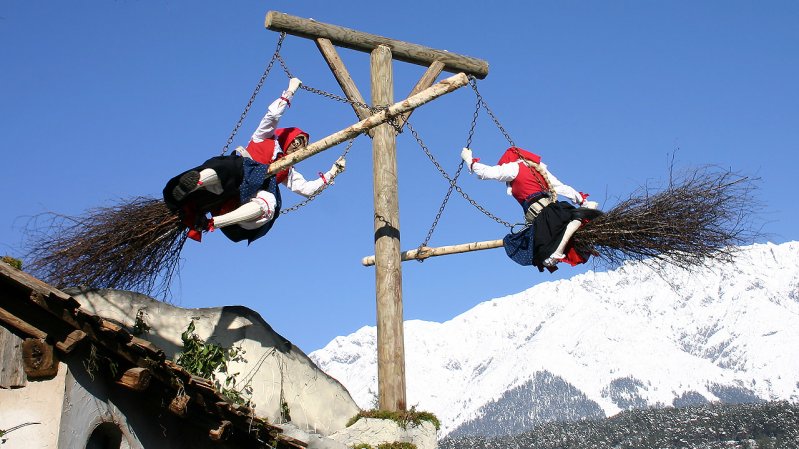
[626, 338]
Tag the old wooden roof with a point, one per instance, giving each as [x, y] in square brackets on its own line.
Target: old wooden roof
[43, 314]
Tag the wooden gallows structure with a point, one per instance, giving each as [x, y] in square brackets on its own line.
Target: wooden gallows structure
[390, 343]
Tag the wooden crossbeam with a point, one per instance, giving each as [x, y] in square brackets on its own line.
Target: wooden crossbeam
[426, 251]
[424, 82]
[383, 51]
[343, 77]
[414, 101]
[366, 42]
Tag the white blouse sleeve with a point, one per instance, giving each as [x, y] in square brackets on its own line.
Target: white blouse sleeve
[503, 173]
[563, 190]
[266, 129]
[298, 184]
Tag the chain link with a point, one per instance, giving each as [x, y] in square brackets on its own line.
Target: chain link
[258, 86]
[322, 92]
[452, 181]
[480, 99]
[322, 189]
[545, 186]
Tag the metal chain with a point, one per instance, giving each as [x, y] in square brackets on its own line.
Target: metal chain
[285, 67]
[254, 94]
[473, 83]
[318, 192]
[322, 92]
[533, 169]
[452, 181]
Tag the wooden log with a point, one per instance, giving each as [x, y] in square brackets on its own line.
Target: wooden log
[425, 252]
[424, 82]
[390, 339]
[38, 359]
[179, 405]
[148, 347]
[70, 341]
[343, 77]
[219, 433]
[136, 379]
[442, 87]
[366, 42]
[21, 325]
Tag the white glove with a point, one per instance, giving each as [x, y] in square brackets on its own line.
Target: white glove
[590, 204]
[337, 168]
[294, 84]
[466, 155]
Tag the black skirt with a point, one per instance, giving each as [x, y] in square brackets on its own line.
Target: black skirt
[241, 178]
[533, 244]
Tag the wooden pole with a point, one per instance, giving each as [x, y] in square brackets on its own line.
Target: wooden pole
[425, 81]
[365, 42]
[440, 88]
[426, 251]
[343, 77]
[388, 274]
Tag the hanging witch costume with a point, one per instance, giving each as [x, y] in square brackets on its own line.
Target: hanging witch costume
[545, 240]
[243, 201]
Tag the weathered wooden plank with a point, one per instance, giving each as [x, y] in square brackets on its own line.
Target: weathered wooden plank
[31, 283]
[390, 340]
[440, 88]
[425, 252]
[21, 325]
[366, 42]
[12, 372]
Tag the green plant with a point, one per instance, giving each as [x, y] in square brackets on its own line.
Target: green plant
[210, 361]
[285, 412]
[402, 417]
[362, 446]
[93, 367]
[16, 263]
[396, 445]
[140, 327]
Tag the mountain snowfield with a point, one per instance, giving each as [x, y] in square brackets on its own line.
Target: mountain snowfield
[625, 338]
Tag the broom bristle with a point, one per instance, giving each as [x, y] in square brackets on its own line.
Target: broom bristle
[703, 215]
[133, 245]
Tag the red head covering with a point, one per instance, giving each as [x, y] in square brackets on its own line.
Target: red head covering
[285, 136]
[512, 154]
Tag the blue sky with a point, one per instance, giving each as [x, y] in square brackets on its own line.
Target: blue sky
[106, 100]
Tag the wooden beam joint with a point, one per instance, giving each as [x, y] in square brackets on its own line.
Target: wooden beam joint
[39, 359]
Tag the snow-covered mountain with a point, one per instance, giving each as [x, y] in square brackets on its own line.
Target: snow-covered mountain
[597, 344]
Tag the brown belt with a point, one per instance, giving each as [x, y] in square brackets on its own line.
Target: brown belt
[535, 208]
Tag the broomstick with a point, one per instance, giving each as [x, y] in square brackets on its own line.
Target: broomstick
[134, 245]
[703, 215]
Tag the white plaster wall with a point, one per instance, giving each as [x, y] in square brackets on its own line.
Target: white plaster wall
[37, 402]
[379, 431]
[316, 401]
[84, 411]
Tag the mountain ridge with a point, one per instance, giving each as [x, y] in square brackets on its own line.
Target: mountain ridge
[625, 338]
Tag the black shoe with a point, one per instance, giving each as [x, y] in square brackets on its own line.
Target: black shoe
[186, 184]
[583, 213]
